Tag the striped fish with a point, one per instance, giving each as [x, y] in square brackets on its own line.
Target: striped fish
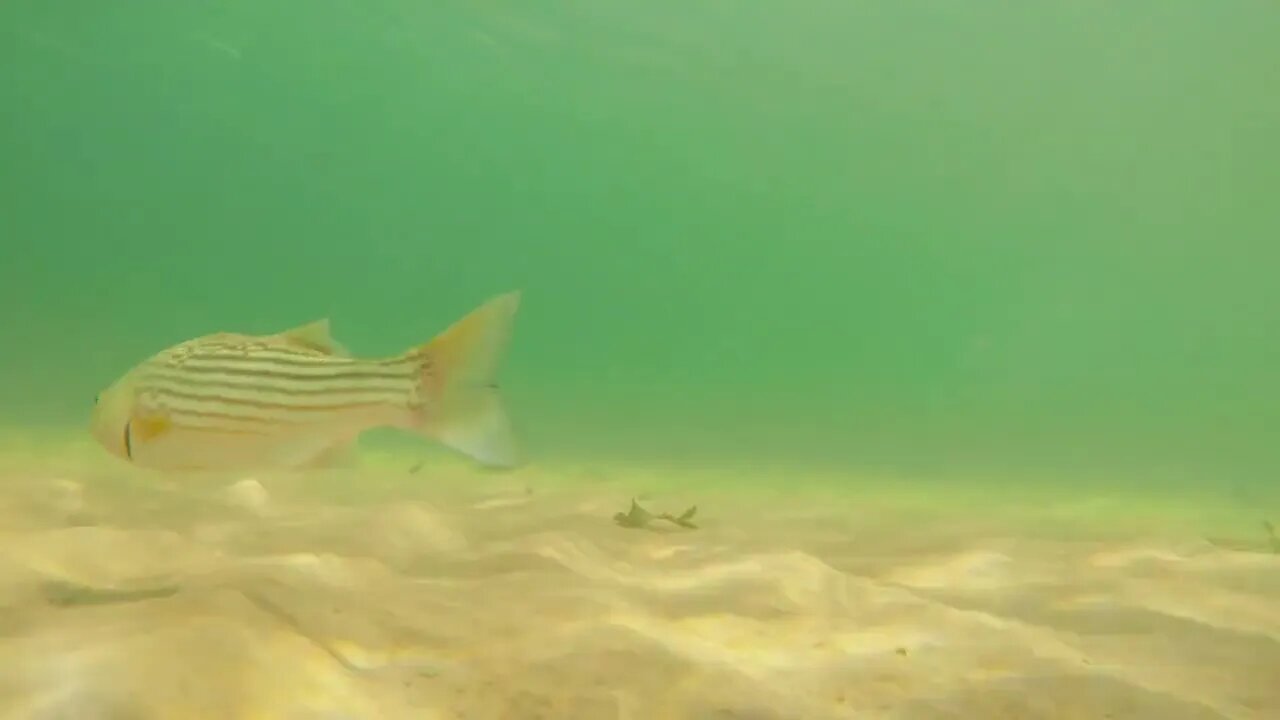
[296, 399]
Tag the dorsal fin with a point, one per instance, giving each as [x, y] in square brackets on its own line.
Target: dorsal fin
[315, 336]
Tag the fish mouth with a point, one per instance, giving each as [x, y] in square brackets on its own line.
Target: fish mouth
[128, 440]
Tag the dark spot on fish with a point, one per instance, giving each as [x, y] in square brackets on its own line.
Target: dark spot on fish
[128, 440]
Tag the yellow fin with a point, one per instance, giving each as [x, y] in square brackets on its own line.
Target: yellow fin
[458, 377]
[149, 427]
[315, 336]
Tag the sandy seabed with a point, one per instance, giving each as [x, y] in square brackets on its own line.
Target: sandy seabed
[451, 593]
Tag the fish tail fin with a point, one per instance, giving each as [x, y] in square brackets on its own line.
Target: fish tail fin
[459, 401]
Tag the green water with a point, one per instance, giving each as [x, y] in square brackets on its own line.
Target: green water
[930, 238]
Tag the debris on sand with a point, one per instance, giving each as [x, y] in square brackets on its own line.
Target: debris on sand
[62, 593]
[639, 518]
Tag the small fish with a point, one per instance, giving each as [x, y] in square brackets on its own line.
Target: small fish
[296, 399]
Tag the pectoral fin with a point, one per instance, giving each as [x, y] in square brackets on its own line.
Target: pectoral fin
[145, 428]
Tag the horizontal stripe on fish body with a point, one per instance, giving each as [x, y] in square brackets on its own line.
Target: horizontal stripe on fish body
[227, 423]
[271, 387]
[277, 385]
[288, 359]
[268, 370]
[275, 353]
[168, 395]
[259, 417]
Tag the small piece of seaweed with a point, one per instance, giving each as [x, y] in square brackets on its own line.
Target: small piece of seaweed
[638, 517]
[68, 594]
[685, 519]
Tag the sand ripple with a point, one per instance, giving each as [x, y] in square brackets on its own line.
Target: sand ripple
[467, 598]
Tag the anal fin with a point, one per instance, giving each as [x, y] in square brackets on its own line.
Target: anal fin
[341, 454]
